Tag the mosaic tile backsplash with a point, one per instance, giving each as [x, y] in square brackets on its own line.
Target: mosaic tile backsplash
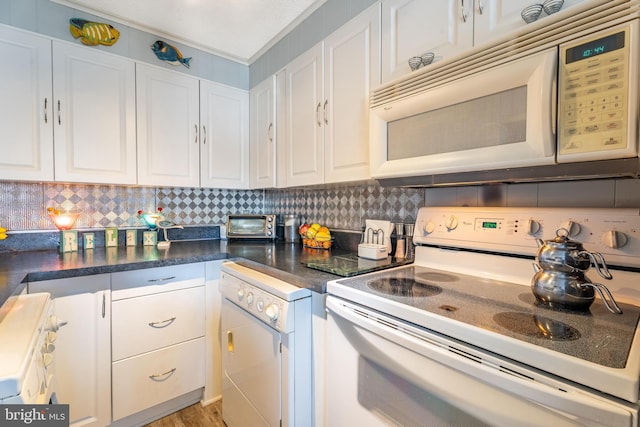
[339, 206]
[23, 205]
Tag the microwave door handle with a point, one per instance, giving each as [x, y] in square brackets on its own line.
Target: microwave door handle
[554, 109]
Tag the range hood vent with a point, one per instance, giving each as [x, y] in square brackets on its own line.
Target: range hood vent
[618, 168]
[581, 19]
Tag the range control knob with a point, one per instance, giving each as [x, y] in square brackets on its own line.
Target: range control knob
[272, 312]
[429, 227]
[451, 223]
[614, 239]
[240, 294]
[250, 298]
[533, 226]
[260, 304]
[47, 359]
[54, 323]
[572, 227]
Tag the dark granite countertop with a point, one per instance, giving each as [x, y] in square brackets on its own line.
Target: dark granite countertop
[279, 259]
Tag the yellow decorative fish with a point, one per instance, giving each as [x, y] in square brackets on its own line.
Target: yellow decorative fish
[93, 33]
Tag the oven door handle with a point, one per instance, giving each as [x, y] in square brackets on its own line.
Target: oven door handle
[466, 369]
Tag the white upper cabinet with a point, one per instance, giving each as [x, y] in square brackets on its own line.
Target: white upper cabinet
[95, 121]
[168, 127]
[444, 27]
[26, 112]
[351, 70]
[493, 18]
[305, 132]
[413, 27]
[327, 108]
[263, 134]
[224, 136]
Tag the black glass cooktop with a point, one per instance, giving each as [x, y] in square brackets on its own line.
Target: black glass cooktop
[350, 264]
[506, 308]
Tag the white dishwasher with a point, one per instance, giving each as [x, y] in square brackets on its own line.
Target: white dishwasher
[266, 350]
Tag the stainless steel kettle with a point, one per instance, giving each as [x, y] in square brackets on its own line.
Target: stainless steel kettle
[569, 290]
[559, 279]
[569, 256]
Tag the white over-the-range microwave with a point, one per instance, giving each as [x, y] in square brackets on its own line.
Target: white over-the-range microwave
[521, 105]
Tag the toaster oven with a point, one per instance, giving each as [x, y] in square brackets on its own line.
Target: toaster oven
[251, 226]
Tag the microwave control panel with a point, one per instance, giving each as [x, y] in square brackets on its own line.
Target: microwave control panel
[597, 74]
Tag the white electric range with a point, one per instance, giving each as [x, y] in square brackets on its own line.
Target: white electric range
[459, 338]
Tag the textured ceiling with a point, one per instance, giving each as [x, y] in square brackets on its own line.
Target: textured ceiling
[236, 29]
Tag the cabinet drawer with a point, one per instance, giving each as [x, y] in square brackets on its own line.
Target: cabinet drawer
[135, 283]
[154, 321]
[143, 381]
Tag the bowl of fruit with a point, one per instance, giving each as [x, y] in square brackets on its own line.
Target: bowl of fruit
[315, 236]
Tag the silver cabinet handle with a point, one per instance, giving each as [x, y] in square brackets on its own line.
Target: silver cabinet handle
[196, 132]
[162, 323]
[59, 119]
[161, 280]
[104, 305]
[270, 132]
[326, 102]
[318, 109]
[465, 15]
[480, 7]
[46, 120]
[159, 377]
[204, 134]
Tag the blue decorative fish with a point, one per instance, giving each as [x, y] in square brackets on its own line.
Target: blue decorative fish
[166, 52]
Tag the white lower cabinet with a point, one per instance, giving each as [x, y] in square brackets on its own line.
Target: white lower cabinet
[149, 379]
[158, 337]
[137, 344]
[83, 346]
[149, 322]
[213, 343]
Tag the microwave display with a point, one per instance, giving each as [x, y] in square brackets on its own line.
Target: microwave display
[596, 47]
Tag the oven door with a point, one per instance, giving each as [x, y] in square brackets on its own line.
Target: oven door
[503, 117]
[387, 372]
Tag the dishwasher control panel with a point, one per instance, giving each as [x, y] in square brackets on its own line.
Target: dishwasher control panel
[273, 310]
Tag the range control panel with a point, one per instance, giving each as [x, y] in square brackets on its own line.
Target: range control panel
[615, 233]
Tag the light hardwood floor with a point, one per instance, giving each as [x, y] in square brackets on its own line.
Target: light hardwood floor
[195, 415]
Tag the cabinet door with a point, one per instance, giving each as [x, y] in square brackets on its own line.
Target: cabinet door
[83, 346]
[281, 128]
[224, 120]
[351, 70]
[413, 27]
[305, 118]
[495, 18]
[26, 112]
[95, 124]
[263, 134]
[213, 343]
[168, 123]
